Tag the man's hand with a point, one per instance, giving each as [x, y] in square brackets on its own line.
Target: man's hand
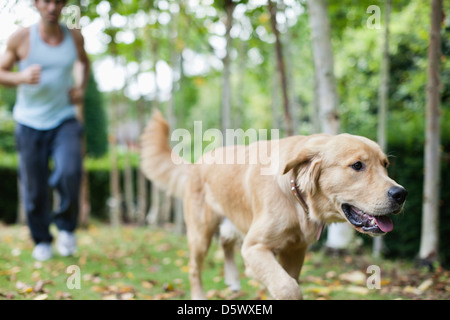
[76, 95]
[31, 75]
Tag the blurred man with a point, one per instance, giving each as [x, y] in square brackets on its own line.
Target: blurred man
[46, 125]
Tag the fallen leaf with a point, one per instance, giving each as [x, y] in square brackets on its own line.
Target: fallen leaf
[99, 289]
[253, 283]
[355, 277]
[11, 271]
[15, 252]
[125, 289]
[185, 269]
[424, 286]
[7, 295]
[147, 284]
[167, 287]
[318, 290]
[169, 295]
[39, 286]
[410, 289]
[357, 290]
[164, 247]
[182, 253]
[63, 295]
[127, 296]
[262, 295]
[22, 287]
[43, 296]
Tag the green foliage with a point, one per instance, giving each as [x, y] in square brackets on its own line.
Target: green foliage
[8, 189]
[96, 126]
[407, 169]
[7, 140]
[7, 100]
[8, 97]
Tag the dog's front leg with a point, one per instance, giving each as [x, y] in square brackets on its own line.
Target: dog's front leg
[264, 266]
[292, 260]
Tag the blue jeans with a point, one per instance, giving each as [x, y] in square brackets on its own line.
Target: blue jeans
[36, 148]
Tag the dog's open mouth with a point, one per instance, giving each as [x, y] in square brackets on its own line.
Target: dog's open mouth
[364, 222]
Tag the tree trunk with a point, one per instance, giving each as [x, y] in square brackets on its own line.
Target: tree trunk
[288, 125]
[115, 200]
[238, 110]
[429, 242]
[339, 235]
[130, 212]
[85, 201]
[176, 204]
[153, 212]
[142, 181]
[324, 66]
[21, 214]
[274, 105]
[378, 242]
[226, 81]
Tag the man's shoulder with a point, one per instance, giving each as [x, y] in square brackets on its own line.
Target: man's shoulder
[18, 37]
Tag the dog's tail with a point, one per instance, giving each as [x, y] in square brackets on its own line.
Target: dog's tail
[158, 163]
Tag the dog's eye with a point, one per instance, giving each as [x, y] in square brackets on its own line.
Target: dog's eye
[357, 166]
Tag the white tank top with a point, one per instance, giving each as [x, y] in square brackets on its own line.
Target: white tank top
[46, 105]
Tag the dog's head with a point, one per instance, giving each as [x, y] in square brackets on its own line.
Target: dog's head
[345, 178]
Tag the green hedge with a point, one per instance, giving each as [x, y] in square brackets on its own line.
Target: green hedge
[98, 174]
[98, 189]
[407, 169]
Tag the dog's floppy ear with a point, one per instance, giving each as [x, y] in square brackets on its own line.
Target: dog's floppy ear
[300, 159]
[306, 171]
[306, 162]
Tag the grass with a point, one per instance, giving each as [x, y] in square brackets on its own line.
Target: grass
[150, 263]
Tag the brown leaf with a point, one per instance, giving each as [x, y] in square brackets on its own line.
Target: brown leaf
[355, 277]
[169, 295]
[39, 286]
[60, 295]
[168, 287]
[22, 287]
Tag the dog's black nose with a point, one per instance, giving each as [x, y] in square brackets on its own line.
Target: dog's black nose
[398, 194]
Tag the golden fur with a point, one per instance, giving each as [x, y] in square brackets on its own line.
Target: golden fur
[276, 228]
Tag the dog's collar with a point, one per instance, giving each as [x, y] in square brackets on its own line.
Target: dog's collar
[298, 195]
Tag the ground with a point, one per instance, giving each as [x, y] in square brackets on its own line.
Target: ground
[145, 263]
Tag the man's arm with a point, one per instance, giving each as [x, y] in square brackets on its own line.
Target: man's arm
[10, 57]
[82, 69]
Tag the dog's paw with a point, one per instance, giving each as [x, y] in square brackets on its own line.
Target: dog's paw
[286, 290]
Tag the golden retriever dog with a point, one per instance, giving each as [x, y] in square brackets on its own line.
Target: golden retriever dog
[278, 207]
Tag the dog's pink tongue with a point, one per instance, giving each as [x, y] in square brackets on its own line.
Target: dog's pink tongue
[384, 223]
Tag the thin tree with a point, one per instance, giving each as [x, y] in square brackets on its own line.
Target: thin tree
[288, 123]
[115, 200]
[383, 107]
[175, 56]
[141, 180]
[229, 6]
[324, 66]
[429, 242]
[339, 234]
